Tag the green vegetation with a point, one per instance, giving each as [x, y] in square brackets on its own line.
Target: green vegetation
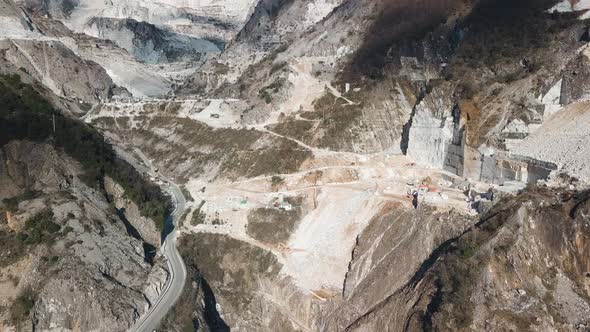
[272, 225]
[331, 125]
[457, 283]
[199, 217]
[234, 282]
[468, 249]
[299, 129]
[21, 308]
[267, 92]
[68, 6]
[189, 327]
[460, 268]
[278, 66]
[187, 194]
[27, 115]
[11, 204]
[13, 248]
[265, 95]
[276, 181]
[38, 229]
[52, 259]
[236, 150]
[41, 228]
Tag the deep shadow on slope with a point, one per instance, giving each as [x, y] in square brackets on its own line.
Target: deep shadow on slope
[405, 27]
[149, 251]
[397, 25]
[260, 22]
[26, 114]
[196, 309]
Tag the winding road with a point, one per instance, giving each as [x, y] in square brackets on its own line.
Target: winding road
[150, 321]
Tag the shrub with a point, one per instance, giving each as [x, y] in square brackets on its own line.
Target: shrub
[276, 181]
[22, 306]
[68, 6]
[13, 248]
[12, 203]
[265, 95]
[199, 217]
[40, 228]
[187, 194]
[266, 92]
[67, 230]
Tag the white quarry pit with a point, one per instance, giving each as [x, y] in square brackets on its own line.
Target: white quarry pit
[164, 13]
[563, 140]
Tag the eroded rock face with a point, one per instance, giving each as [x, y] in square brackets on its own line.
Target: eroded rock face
[145, 227]
[85, 275]
[257, 296]
[555, 294]
[187, 17]
[576, 83]
[435, 126]
[560, 139]
[144, 47]
[163, 32]
[272, 24]
[319, 78]
[389, 252]
[517, 269]
[249, 296]
[196, 309]
[469, 97]
[59, 69]
[150, 44]
[29, 166]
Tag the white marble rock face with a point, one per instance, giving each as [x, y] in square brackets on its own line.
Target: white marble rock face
[172, 14]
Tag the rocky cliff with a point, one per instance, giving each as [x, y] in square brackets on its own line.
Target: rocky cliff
[150, 44]
[68, 262]
[203, 18]
[70, 259]
[521, 267]
[127, 209]
[58, 68]
[144, 47]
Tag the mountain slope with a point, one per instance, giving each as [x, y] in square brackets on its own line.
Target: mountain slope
[58, 216]
[521, 267]
[347, 165]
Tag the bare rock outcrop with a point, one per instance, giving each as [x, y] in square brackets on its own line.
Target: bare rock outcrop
[59, 69]
[79, 269]
[39, 169]
[523, 267]
[146, 227]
